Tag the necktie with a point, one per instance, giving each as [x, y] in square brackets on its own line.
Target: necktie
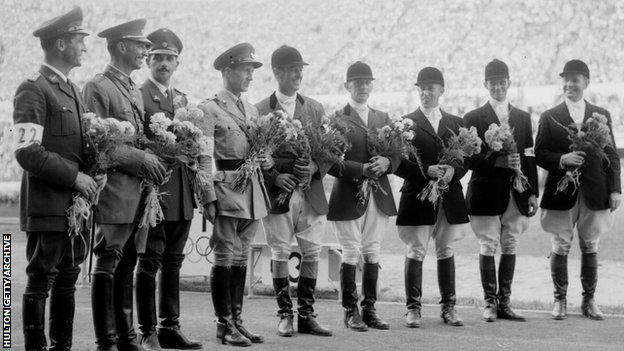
[240, 106]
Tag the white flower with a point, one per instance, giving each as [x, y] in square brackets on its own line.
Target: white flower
[496, 145]
[408, 122]
[398, 125]
[408, 135]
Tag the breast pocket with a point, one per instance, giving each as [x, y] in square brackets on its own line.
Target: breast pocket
[63, 122]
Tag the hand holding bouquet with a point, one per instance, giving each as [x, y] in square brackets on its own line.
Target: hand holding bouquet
[500, 138]
[590, 137]
[104, 135]
[265, 136]
[178, 143]
[458, 147]
[388, 141]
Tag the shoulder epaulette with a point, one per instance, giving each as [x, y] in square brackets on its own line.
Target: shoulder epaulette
[34, 77]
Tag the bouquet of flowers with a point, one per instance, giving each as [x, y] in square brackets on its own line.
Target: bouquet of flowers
[104, 135]
[500, 138]
[200, 172]
[387, 141]
[179, 143]
[592, 136]
[299, 143]
[458, 147]
[267, 135]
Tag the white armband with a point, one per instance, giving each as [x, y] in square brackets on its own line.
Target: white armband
[26, 134]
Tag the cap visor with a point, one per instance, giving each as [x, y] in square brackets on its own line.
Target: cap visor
[360, 77]
[573, 72]
[80, 31]
[428, 82]
[138, 38]
[163, 52]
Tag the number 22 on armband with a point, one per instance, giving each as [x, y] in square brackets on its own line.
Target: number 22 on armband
[26, 134]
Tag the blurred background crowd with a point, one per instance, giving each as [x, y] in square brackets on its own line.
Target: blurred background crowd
[396, 37]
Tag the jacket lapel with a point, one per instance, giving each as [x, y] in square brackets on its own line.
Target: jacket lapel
[589, 110]
[423, 124]
[353, 118]
[564, 114]
[490, 115]
[56, 79]
[164, 103]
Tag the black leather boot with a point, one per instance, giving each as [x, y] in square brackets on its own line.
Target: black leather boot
[62, 307]
[123, 296]
[146, 310]
[237, 291]
[306, 321]
[169, 334]
[284, 303]
[506, 270]
[33, 319]
[102, 310]
[559, 273]
[370, 276]
[589, 280]
[413, 292]
[353, 319]
[149, 340]
[221, 301]
[487, 268]
[446, 282]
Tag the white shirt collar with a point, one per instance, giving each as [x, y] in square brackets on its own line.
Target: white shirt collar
[285, 99]
[501, 108]
[576, 109]
[60, 74]
[361, 109]
[434, 115]
[163, 89]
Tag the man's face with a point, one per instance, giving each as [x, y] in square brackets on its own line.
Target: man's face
[359, 89]
[72, 50]
[289, 79]
[162, 67]
[573, 85]
[239, 77]
[430, 94]
[498, 88]
[134, 52]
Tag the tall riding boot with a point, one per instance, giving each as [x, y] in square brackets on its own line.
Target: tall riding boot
[353, 319]
[33, 319]
[506, 269]
[370, 276]
[487, 267]
[62, 307]
[589, 280]
[559, 273]
[306, 321]
[169, 334]
[220, 279]
[284, 303]
[446, 282]
[146, 310]
[123, 302]
[237, 292]
[103, 313]
[413, 292]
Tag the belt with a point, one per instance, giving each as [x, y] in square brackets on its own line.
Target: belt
[228, 165]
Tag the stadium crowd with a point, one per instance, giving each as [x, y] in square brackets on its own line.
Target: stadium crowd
[396, 37]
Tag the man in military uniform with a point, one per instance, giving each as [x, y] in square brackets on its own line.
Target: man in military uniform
[166, 241]
[235, 214]
[50, 148]
[113, 94]
[498, 212]
[588, 207]
[359, 227]
[418, 221]
[302, 215]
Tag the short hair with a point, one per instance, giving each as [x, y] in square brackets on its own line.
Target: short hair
[47, 44]
[111, 46]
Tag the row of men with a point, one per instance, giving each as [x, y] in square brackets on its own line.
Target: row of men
[51, 149]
